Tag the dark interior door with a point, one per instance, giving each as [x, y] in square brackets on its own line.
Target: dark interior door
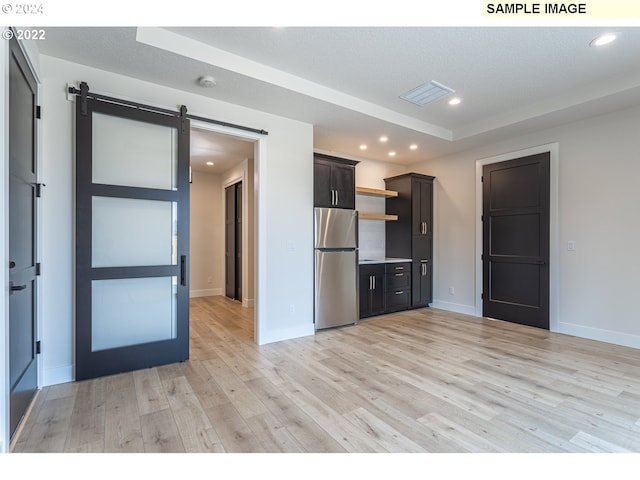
[23, 372]
[233, 241]
[516, 240]
[239, 241]
[132, 238]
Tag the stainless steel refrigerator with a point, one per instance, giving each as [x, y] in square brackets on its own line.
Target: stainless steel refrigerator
[336, 267]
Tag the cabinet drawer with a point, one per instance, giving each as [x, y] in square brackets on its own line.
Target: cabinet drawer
[398, 281]
[398, 276]
[398, 267]
[398, 299]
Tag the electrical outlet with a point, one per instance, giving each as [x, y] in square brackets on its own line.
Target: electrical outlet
[210, 280]
[571, 245]
[451, 291]
[292, 309]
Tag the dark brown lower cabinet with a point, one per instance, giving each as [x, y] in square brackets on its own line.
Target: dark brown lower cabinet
[422, 283]
[384, 288]
[371, 289]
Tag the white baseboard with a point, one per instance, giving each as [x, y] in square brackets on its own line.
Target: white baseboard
[205, 293]
[454, 307]
[287, 334]
[248, 302]
[602, 335]
[57, 375]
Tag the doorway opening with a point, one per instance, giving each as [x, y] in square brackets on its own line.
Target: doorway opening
[553, 264]
[223, 217]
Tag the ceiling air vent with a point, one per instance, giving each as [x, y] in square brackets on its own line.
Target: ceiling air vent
[427, 93]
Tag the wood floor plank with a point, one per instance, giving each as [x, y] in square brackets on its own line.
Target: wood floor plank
[303, 427]
[50, 429]
[149, 391]
[460, 435]
[331, 420]
[197, 433]
[87, 428]
[596, 445]
[160, 433]
[245, 401]
[384, 434]
[234, 432]
[417, 381]
[272, 434]
[122, 419]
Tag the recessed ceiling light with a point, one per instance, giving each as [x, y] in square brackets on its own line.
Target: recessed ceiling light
[413, 147]
[363, 147]
[455, 101]
[383, 139]
[603, 39]
[392, 154]
[210, 163]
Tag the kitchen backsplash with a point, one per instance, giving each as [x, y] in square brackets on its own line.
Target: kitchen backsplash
[371, 232]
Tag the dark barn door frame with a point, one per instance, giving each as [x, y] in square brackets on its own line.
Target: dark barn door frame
[554, 240]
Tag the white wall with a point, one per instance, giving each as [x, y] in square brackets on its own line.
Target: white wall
[284, 171]
[598, 202]
[206, 236]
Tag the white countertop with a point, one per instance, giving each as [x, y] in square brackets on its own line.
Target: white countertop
[383, 260]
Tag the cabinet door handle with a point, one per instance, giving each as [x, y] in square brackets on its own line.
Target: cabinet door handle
[399, 274]
[370, 282]
[337, 198]
[399, 293]
[399, 268]
[374, 282]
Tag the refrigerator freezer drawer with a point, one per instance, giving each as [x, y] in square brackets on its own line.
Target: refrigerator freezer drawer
[336, 288]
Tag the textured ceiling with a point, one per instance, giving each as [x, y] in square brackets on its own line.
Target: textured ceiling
[347, 80]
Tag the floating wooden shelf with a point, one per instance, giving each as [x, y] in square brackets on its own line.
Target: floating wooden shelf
[375, 192]
[377, 216]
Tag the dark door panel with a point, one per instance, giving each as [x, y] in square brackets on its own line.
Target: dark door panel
[322, 192]
[233, 243]
[343, 181]
[516, 240]
[421, 247]
[230, 242]
[23, 371]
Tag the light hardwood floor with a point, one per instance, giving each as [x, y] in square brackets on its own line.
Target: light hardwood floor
[419, 381]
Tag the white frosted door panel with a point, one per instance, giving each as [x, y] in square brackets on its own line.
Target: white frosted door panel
[131, 232]
[133, 154]
[132, 311]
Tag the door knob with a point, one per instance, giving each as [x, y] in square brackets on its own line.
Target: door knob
[17, 288]
[12, 264]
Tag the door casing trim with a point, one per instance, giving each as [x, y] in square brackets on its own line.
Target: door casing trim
[554, 239]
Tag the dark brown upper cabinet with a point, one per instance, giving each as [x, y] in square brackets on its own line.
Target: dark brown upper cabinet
[334, 182]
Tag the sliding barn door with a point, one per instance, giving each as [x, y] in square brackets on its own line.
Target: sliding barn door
[132, 238]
